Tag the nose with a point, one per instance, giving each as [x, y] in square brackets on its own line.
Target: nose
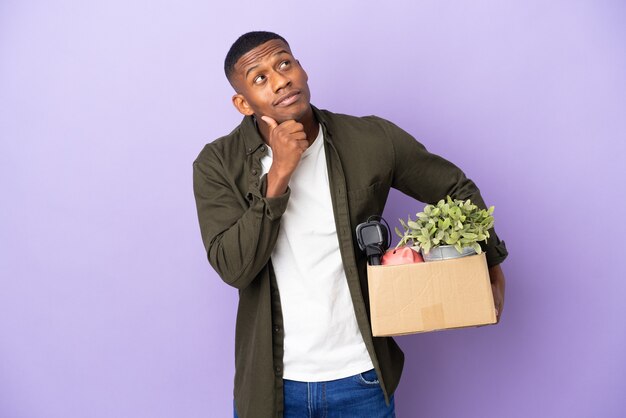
[279, 81]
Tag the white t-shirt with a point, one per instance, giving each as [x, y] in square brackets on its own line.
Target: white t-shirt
[322, 337]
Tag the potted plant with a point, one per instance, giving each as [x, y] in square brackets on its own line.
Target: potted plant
[452, 228]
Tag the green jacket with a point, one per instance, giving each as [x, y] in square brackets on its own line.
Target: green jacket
[365, 158]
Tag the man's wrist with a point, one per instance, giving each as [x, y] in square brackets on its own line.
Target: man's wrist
[276, 183]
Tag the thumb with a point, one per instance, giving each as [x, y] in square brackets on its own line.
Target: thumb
[271, 122]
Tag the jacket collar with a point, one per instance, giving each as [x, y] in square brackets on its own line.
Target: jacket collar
[323, 119]
[251, 136]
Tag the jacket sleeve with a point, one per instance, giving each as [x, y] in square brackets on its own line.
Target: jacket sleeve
[238, 241]
[428, 178]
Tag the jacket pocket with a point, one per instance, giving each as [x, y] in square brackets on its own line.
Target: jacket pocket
[367, 201]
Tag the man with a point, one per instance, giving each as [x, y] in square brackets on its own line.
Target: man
[278, 200]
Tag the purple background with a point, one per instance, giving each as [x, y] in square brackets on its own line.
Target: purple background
[108, 307]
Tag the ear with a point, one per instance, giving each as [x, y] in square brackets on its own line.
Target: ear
[241, 104]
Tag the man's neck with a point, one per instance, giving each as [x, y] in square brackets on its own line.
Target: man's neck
[311, 125]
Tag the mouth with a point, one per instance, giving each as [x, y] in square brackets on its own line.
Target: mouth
[287, 99]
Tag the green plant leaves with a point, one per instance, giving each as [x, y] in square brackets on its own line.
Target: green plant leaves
[450, 222]
[414, 225]
[477, 248]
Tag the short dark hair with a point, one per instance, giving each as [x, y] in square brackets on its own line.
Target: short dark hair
[245, 43]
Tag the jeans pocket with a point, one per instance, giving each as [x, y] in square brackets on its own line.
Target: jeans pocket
[368, 378]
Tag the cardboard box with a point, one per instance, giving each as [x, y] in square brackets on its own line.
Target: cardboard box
[430, 296]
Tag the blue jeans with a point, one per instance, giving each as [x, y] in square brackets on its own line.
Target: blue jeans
[358, 396]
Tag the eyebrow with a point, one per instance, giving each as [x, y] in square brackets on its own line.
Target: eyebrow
[249, 70]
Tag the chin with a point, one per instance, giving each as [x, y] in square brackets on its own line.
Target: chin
[299, 113]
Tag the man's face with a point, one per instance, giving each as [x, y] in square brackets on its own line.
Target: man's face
[269, 81]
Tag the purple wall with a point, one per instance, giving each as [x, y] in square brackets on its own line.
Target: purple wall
[108, 307]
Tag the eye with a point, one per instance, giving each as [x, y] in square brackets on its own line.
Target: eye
[284, 64]
[258, 79]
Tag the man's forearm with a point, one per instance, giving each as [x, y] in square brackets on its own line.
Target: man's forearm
[238, 241]
[276, 183]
